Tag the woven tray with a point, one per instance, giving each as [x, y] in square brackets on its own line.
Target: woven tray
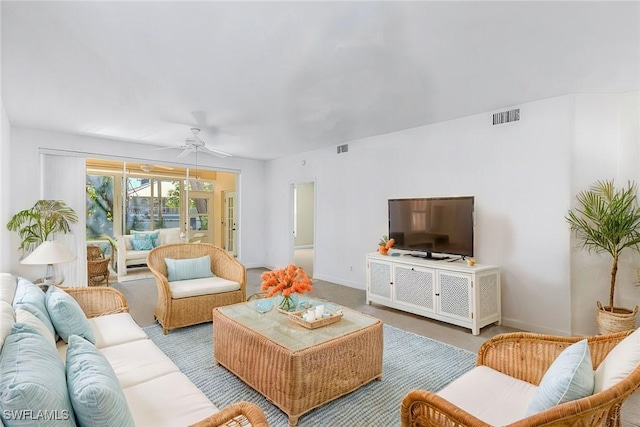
[297, 318]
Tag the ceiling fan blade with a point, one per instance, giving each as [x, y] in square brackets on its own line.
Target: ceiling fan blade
[184, 153]
[217, 153]
[165, 148]
[169, 168]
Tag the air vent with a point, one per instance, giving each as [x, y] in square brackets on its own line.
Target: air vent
[506, 116]
[343, 148]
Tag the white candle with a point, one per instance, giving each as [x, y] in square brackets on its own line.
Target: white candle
[311, 316]
[319, 311]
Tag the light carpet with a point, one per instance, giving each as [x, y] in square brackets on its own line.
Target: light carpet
[410, 362]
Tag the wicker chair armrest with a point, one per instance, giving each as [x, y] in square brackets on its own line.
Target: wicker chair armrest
[234, 415]
[99, 301]
[423, 408]
[228, 267]
[162, 281]
[527, 356]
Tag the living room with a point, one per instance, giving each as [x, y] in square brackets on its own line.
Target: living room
[524, 175]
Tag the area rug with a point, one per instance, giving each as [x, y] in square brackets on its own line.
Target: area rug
[410, 362]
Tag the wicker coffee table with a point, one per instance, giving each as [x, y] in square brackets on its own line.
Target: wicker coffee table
[296, 368]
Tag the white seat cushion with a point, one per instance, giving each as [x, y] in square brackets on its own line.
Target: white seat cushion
[115, 329]
[204, 286]
[170, 400]
[489, 395]
[140, 257]
[8, 285]
[138, 361]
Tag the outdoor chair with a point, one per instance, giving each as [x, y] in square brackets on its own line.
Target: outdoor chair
[97, 266]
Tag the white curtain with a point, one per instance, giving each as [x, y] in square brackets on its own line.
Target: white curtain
[64, 178]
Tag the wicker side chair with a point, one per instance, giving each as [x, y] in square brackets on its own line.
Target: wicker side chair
[97, 266]
[527, 356]
[180, 312]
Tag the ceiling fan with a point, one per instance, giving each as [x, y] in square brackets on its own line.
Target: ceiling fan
[196, 145]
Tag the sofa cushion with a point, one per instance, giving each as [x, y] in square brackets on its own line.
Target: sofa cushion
[8, 284]
[621, 360]
[206, 286]
[32, 380]
[170, 400]
[94, 390]
[67, 315]
[7, 319]
[32, 298]
[136, 257]
[189, 268]
[570, 377]
[142, 244]
[25, 316]
[489, 395]
[115, 329]
[170, 235]
[138, 361]
[110, 330]
[154, 236]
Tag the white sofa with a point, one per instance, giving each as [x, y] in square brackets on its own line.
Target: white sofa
[156, 392]
[128, 256]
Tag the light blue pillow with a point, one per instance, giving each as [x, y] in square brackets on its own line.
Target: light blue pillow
[142, 244]
[190, 268]
[32, 381]
[31, 298]
[67, 315]
[570, 377]
[94, 390]
[155, 237]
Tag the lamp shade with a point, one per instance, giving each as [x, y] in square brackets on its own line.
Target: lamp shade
[49, 252]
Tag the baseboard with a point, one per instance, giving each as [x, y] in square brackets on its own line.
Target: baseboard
[517, 324]
[340, 281]
[303, 247]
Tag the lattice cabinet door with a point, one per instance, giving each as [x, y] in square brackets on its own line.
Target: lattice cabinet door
[414, 287]
[379, 280]
[454, 295]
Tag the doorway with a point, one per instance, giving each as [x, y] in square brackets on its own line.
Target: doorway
[304, 207]
[230, 231]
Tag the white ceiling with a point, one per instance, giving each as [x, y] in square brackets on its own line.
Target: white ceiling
[266, 79]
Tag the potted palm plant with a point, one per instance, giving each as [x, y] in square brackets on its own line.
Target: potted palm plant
[608, 220]
[40, 222]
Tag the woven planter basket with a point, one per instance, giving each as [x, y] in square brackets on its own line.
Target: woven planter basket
[621, 319]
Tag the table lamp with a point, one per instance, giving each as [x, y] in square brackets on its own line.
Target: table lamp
[49, 252]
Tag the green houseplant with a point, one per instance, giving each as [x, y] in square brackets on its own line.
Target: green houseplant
[607, 220]
[40, 222]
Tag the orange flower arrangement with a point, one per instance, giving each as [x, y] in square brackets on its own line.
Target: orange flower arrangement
[286, 281]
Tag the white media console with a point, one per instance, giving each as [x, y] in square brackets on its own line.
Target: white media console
[451, 292]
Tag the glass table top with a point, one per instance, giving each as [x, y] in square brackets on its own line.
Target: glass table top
[277, 326]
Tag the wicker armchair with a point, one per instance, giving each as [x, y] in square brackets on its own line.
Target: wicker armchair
[97, 266]
[180, 312]
[527, 356]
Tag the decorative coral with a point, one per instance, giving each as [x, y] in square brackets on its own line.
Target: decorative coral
[385, 244]
[289, 280]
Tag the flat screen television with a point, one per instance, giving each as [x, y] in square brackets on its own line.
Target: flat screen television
[424, 226]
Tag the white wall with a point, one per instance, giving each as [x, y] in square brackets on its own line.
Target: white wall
[606, 144]
[518, 172]
[524, 176]
[27, 143]
[5, 189]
